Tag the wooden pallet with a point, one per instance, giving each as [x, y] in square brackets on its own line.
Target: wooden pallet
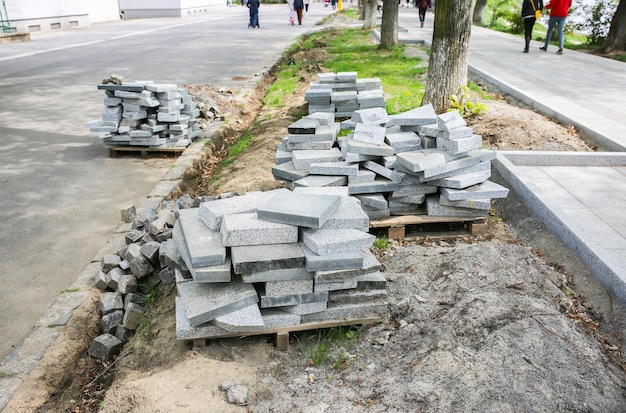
[282, 333]
[144, 151]
[397, 226]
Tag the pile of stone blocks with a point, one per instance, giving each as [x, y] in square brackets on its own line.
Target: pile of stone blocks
[394, 164]
[126, 278]
[275, 259]
[146, 114]
[342, 93]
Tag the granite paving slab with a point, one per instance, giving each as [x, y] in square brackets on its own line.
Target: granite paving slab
[424, 115]
[289, 287]
[349, 215]
[466, 203]
[365, 148]
[313, 181]
[185, 331]
[205, 302]
[460, 161]
[377, 201]
[288, 171]
[334, 168]
[302, 160]
[204, 245]
[434, 208]
[276, 318]
[247, 229]
[333, 241]
[287, 274]
[463, 180]
[258, 258]
[247, 319]
[340, 261]
[323, 190]
[304, 210]
[335, 311]
[292, 299]
[424, 159]
[487, 189]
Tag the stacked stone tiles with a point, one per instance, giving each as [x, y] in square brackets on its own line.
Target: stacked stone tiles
[396, 164]
[146, 114]
[342, 93]
[275, 259]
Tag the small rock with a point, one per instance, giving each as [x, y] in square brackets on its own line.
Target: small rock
[237, 394]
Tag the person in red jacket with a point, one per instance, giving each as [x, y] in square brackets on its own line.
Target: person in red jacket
[422, 6]
[558, 13]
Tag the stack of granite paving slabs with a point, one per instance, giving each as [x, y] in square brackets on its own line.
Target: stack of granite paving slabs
[399, 164]
[146, 114]
[342, 93]
[275, 259]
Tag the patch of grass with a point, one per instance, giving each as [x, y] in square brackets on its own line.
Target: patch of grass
[70, 290]
[234, 150]
[352, 50]
[382, 243]
[284, 85]
[146, 329]
[3, 374]
[149, 291]
[333, 345]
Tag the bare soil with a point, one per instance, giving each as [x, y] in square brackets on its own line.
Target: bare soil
[507, 321]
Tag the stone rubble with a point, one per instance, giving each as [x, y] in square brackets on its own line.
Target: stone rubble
[146, 114]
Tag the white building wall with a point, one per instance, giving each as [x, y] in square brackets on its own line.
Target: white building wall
[136, 9]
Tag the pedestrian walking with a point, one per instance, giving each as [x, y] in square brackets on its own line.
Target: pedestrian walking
[531, 9]
[298, 6]
[253, 6]
[422, 6]
[559, 10]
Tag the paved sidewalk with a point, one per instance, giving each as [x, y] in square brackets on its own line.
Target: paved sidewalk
[581, 197]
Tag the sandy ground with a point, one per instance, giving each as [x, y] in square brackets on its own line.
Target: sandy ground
[507, 321]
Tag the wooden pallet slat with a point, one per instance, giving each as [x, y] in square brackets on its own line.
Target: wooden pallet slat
[144, 151]
[397, 226]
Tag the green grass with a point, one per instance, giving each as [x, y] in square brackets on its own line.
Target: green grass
[332, 346]
[382, 243]
[284, 85]
[352, 50]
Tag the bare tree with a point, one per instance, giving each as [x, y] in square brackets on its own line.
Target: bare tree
[616, 39]
[447, 69]
[389, 25]
[479, 11]
[369, 8]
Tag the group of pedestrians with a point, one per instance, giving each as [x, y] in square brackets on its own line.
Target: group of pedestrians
[531, 11]
[296, 10]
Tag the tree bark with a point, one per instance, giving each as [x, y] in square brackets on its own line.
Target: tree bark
[369, 22]
[389, 25]
[447, 69]
[616, 39]
[361, 8]
[479, 11]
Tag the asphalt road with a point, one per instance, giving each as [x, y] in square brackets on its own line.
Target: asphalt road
[60, 192]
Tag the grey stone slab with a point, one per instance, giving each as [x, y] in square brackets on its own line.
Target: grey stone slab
[334, 168]
[355, 296]
[105, 346]
[322, 133]
[461, 145]
[205, 302]
[367, 133]
[356, 157]
[282, 157]
[347, 282]
[128, 86]
[458, 162]
[161, 87]
[247, 229]
[287, 274]
[431, 130]
[370, 264]
[244, 320]
[434, 208]
[372, 281]
[480, 166]
[401, 140]
[374, 116]
[184, 330]
[421, 160]
[315, 181]
[456, 133]
[110, 302]
[365, 148]
[417, 189]
[362, 176]
[333, 241]
[258, 258]
[450, 120]
[375, 214]
[411, 199]
[304, 309]
[466, 203]
[343, 96]
[204, 245]
[211, 213]
[289, 287]
[376, 201]
[424, 115]
[277, 318]
[348, 312]
[206, 274]
[299, 209]
[368, 83]
[303, 126]
[397, 207]
[323, 190]
[302, 160]
[377, 186]
[323, 118]
[462, 181]
[487, 189]
[346, 77]
[288, 172]
[292, 299]
[390, 174]
[311, 145]
[389, 161]
[340, 261]
[349, 215]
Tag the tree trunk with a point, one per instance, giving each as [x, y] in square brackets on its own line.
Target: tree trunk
[389, 25]
[361, 8]
[447, 69]
[616, 39]
[370, 14]
[479, 11]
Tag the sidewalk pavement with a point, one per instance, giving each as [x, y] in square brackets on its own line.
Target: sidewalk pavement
[581, 197]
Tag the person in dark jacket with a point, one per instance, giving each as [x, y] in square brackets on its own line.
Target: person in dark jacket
[558, 13]
[529, 8]
[422, 6]
[298, 6]
[253, 5]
